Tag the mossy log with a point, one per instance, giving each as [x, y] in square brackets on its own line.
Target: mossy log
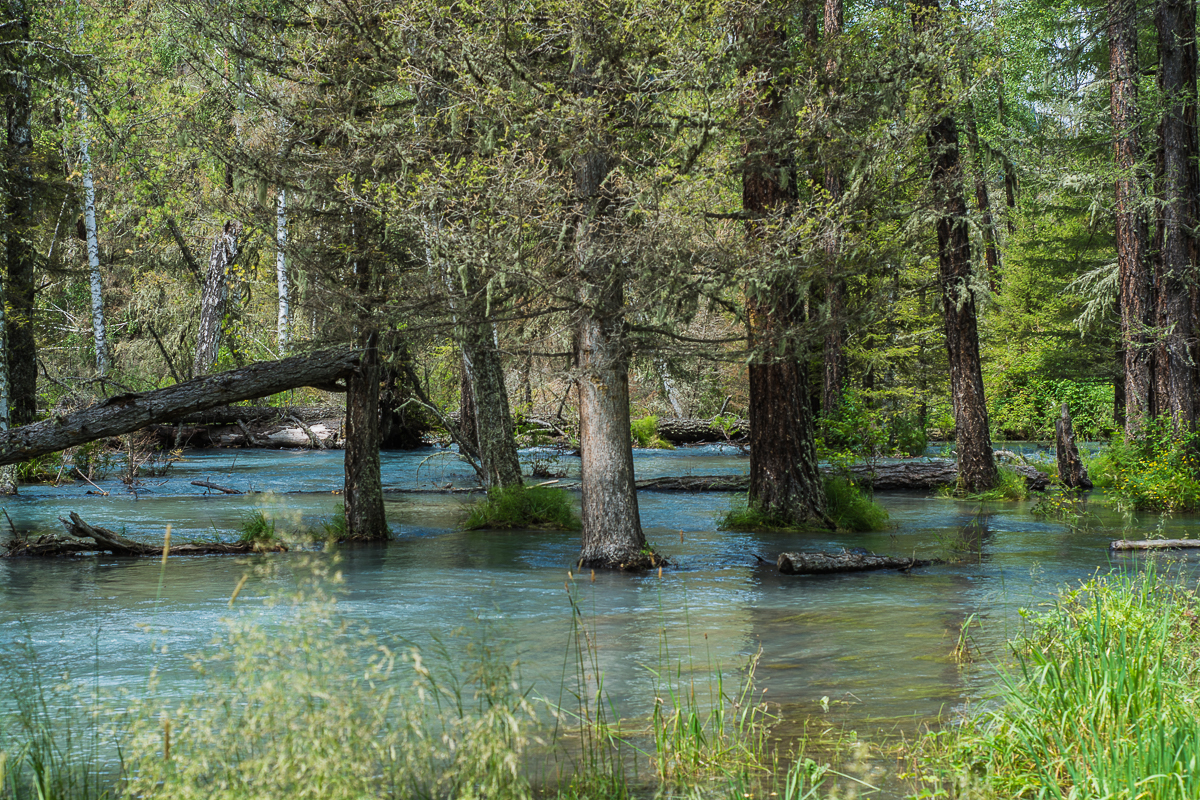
[845, 561]
[102, 540]
[695, 431]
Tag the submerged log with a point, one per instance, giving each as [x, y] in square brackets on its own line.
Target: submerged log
[210, 485]
[1154, 544]
[103, 540]
[845, 561]
[128, 412]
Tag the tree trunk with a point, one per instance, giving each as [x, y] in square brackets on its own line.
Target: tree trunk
[128, 412]
[784, 482]
[19, 251]
[1176, 21]
[283, 285]
[991, 253]
[1136, 292]
[976, 463]
[834, 356]
[364, 483]
[93, 245]
[1071, 472]
[493, 419]
[214, 296]
[612, 528]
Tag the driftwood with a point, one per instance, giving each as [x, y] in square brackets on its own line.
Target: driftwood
[208, 485]
[129, 412]
[79, 532]
[845, 561]
[1154, 544]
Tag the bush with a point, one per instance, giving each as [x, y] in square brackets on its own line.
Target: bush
[524, 507]
[848, 507]
[851, 508]
[1026, 409]
[1156, 472]
[645, 434]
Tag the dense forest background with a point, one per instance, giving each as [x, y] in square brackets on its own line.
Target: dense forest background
[907, 203]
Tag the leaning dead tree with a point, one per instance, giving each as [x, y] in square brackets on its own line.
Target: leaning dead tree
[129, 412]
[214, 297]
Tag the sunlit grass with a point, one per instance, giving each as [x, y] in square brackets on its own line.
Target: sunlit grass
[524, 507]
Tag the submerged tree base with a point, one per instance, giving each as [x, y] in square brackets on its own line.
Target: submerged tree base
[639, 562]
[848, 507]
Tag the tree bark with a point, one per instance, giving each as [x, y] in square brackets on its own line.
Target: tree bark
[283, 284]
[784, 482]
[1071, 472]
[99, 336]
[831, 563]
[1136, 296]
[19, 251]
[214, 296]
[976, 464]
[612, 528]
[493, 418]
[364, 483]
[1176, 22]
[129, 412]
[834, 355]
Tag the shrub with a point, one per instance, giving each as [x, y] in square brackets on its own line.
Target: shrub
[1155, 472]
[524, 507]
[851, 508]
[645, 434]
[1010, 486]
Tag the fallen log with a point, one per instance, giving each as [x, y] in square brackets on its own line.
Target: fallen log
[1154, 544]
[125, 413]
[208, 485]
[693, 431]
[105, 541]
[845, 561]
[924, 475]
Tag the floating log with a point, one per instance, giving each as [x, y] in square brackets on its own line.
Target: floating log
[103, 540]
[1154, 544]
[845, 561]
[208, 485]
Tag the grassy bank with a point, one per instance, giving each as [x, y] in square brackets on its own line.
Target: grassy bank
[1101, 704]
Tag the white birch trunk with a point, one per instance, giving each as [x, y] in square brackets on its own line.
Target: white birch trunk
[281, 275]
[93, 245]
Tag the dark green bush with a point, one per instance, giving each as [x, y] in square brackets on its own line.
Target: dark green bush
[524, 507]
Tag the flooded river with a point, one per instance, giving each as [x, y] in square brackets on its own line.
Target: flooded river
[871, 652]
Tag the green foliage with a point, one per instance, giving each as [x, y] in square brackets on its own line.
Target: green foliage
[645, 434]
[1011, 485]
[524, 507]
[1157, 471]
[858, 429]
[847, 505]
[851, 508]
[1101, 705]
[334, 529]
[1027, 408]
[257, 529]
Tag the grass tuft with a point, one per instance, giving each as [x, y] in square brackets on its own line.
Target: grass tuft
[847, 505]
[1010, 486]
[645, 434]
[524, 507]
[257, 528]
[1101, 704]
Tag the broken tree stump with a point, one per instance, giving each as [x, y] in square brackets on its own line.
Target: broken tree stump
[1071, 472]
[845, 561]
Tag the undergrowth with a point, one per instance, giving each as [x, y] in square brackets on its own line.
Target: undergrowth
[645, 434]
[850, 508]
[1101, 704]
[257, 528]
[1158, 471]
[524, 507]
[1011, 485]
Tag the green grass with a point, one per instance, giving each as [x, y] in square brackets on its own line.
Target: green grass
[1011, 486]
[851, 508]
[847, 505]
[524, 507]
[257, 528]
[1101, 704]
[644, 432]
